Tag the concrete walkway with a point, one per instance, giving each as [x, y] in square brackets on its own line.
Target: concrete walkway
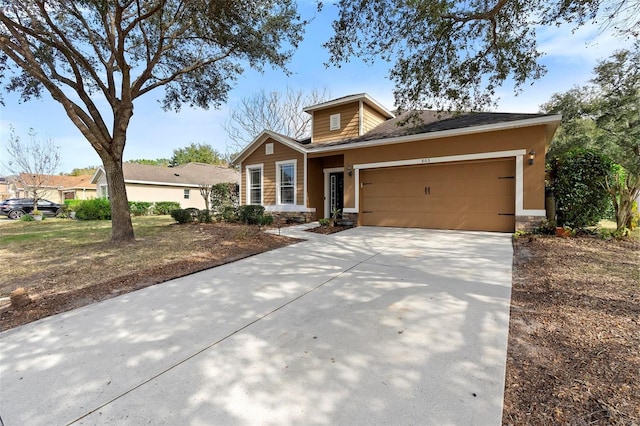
[367, 326]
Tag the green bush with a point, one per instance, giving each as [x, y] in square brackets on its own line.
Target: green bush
[204, 216]
[224, 195]
[140, 208]
[251, 214]
[165, 207]
[228, 214]
[26, 218]
[266, 220]
[182, 216]
[324, 222]
[94, 209]
[579, 179]
[72, 204]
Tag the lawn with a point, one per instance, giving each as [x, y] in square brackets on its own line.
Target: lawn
[66, 263]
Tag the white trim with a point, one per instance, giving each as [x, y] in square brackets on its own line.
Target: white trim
[348, 99]
[145, 182]
[289, 208]
[295, 181]
[326, 172]
[304, 173]
[444, 133]
[444, 159]
[518, 154]
[240, 187]
[248, 189]
[262, 137]
[360, 118]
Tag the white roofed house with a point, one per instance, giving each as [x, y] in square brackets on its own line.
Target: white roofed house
[157, 183]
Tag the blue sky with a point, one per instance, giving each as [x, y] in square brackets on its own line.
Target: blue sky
[154, 133]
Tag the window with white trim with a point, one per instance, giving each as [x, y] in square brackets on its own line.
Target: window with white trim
[104, 191]
[187, 194]
[286, 182]
[254, 185]
[334, 122]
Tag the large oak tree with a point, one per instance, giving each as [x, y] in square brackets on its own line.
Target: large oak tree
[456, 53]
[87, 52]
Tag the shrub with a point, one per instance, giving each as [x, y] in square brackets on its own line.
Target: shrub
[26, 218]
[324, 222]
[140, 208]
[182, 216]
[228, 214]
[72, 204]
[251, 214]
[165, 207]
[579, 182]
[224, 195]
[204, 216]
[94, 209]
[266, 220]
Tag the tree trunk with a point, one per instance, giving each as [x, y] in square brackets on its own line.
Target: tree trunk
[121, 226]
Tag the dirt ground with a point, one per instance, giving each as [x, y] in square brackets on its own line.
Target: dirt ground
[574, 336]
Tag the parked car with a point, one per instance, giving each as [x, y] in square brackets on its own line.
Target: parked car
[15, 208]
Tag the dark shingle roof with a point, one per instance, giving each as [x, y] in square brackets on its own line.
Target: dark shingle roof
[422, 122]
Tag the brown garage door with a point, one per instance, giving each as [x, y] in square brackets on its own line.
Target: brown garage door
[476, 195]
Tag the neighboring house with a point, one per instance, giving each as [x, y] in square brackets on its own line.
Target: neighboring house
[56, 188]
[158, 183]
[474, 171]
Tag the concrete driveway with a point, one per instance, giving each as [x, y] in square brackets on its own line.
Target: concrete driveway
[368, 326]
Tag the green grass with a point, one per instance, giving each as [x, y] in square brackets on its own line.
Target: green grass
[610, 226]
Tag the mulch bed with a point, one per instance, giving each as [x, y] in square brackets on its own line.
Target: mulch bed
[574, 337]
[326, 230]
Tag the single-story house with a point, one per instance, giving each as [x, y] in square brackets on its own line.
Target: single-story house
[158, 183]
[473, 171]
[56, 188]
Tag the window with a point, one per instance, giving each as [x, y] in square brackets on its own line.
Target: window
[187, 194]
[286, 182]
[104, 191]
[254, 185]
[334, 122]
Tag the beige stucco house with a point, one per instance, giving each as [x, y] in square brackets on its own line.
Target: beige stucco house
[156, 183]
[56, 188]
[473, 171]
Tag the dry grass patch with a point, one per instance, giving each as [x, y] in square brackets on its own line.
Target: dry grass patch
[65, 264]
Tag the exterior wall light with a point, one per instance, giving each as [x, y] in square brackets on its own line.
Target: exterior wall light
[349, 170]
[532, 156]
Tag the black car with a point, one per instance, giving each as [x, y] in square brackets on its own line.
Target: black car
[15, 208]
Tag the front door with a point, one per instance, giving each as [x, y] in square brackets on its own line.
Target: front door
[336, 192]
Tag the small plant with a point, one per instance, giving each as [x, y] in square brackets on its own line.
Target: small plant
[36, 213]
[545, 227]
[204, 216]
[324, 222]
[182, 216]
[26, 218]
[266, 220]
[519, 233]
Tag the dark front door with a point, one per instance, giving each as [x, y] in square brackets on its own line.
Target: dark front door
[336, 192]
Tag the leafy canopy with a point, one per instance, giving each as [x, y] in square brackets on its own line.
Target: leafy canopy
[454, 54]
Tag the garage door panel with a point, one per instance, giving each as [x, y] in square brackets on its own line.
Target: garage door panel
[474, 195]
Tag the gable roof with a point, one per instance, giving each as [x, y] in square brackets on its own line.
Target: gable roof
[263, 136]
[190, 174]
[55, 181]
[348, 99]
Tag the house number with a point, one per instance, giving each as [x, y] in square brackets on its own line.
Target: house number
[425, 160]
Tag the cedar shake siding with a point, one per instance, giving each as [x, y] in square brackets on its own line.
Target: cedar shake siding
[280, 153]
